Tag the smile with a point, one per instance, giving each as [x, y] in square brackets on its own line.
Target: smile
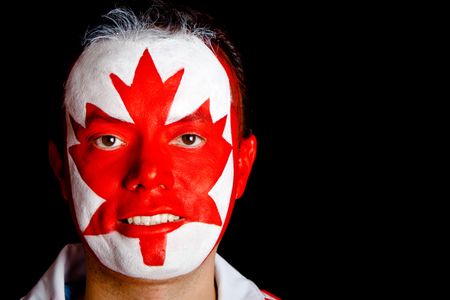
[152, 220]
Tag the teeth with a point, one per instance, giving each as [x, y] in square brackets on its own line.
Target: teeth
[152, 220]
[145, 220]
[164, 218]
[156, 219]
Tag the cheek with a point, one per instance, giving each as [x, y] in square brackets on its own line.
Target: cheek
[102, 173]
[199, 172]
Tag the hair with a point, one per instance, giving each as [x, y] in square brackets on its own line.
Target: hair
[165, 19]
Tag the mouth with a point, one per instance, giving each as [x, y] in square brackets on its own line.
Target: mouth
[151, 220]
[140, 225]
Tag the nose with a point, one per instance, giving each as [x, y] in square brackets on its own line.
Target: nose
[149, 176]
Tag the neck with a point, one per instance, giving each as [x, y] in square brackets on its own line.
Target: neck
[102, 283]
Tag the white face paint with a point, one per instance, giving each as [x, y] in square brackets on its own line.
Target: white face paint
[187, 246]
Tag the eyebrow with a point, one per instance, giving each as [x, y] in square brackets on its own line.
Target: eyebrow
[195, 116]
[95, 117]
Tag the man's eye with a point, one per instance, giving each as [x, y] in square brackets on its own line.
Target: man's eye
[188, 140]
[108, 142]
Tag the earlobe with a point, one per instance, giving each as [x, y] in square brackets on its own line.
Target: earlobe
[56, 163]
[246, 157]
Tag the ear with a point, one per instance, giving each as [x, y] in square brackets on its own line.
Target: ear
[246, 157]
[56, 162]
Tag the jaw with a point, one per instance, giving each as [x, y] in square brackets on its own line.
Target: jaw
[186, 248]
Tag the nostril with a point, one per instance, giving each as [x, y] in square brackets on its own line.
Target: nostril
[132, 185]
[148, 176]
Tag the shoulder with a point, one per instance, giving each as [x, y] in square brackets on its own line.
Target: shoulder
[233, 285]
[68, 266]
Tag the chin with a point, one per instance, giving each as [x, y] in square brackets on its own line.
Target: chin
[186, 249]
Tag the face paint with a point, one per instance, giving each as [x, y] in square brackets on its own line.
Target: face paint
[150, 152]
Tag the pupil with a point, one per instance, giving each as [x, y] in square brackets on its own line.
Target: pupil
[188, 139]
[108, 140]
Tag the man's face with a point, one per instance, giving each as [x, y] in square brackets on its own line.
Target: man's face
[151, 144]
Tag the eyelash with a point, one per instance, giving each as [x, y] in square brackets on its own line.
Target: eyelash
[184, 141]
[99, 142]
[187, 140]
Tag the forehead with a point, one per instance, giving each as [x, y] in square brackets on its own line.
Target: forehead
[204, 76]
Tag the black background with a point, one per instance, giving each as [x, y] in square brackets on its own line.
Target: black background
[290, 231]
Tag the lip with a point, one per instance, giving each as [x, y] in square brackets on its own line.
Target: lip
[139, 231]
[131, 212]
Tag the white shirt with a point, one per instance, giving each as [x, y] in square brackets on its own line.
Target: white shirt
[69, 267]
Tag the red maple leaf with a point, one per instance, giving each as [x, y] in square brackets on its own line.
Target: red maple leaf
[128, 178]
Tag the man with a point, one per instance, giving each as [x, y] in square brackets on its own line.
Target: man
[156, 151]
